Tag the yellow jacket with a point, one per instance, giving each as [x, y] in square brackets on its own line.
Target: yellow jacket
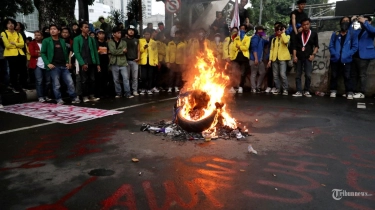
[217, 49]
[162, 48]
[193, 46]
[279, 48]
[244, 47]
[175, 53]
[226, 48]
[10, 49]
[151, 52]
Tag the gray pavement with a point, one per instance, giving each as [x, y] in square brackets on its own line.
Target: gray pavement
[307, 147]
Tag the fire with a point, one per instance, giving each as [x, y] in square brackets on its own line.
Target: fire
[208, 88]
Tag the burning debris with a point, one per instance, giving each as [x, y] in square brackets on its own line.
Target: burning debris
[200, 112]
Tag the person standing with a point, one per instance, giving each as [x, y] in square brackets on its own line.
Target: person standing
[85, 51]
[132, 57]
[342, 47]
[42, 76]
[175, 59]
[304, 50]
[148, 61]
[13, 53]
[118, 48]
[256, 59]
[279, 56]
[101, 77]
[105, 27]
[363, 56]
[56, 60]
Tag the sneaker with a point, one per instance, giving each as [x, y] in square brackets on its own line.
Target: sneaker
[307, 94]
[268, 89]
[253, 90]
[149, 92]
[169, 90]
[118, 96]
[276, 92]
[76, 100]
[258, 90]
[85, 99]
[93, 98]
[344, 95]
[297, 94]
[41, 100]
[135, 93]
[155, 90]
[15, 91]
[273, 90]
[1, 106]
[358, 95]
[142, 92]
[285, 93]
[176, 89]
[333, 95]
[48, 99]
[240, 90]
[232, 90]
[60, 102]
[129, 96]
[350, 97]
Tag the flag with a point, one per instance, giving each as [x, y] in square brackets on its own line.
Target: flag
[236, 16]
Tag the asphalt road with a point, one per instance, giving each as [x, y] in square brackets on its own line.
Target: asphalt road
[307, 147]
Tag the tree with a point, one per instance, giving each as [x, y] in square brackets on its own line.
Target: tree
[10, 8]
[133, 7]
[116, 17]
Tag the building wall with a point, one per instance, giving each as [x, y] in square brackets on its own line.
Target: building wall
[95, 11]
[154, 19]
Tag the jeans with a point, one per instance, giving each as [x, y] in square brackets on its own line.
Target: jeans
[133, 68]
[17, 68]
[88, 80]
[42, 81]
[359, 69]
[56, 73]
[255, 69]
[147, 76]
[240, 70]
[338, 69]
[279, 70]
[116, 70]
[307, 66]
[175, 75]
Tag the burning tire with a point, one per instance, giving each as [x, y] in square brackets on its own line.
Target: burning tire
[195, 126]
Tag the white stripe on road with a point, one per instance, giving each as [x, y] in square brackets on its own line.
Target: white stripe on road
[50, 123]
[361, 105]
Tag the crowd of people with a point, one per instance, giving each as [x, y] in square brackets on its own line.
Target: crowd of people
[120, 62]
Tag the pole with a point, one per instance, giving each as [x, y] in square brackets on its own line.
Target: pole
[140, 17]
[260, 12]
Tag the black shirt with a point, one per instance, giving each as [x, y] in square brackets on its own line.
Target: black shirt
[132, 48]
[86, 51]
[356, 54]
[103, 46]
[243, 13]
[58, 56]
[309, 48]
[299, 16]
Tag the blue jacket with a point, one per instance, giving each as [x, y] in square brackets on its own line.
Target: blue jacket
[257, 45]
[348, 50]
[366, 42]
[267, 55]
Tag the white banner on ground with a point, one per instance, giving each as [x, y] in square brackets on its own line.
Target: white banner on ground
[58, 113]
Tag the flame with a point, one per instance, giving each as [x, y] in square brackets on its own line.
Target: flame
[211, 80]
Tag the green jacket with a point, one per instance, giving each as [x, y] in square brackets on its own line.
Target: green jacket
[48, 51]
[118, 56]
[77, 49]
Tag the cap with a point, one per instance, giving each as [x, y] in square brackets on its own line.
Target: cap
[131, 27]
[100, 31]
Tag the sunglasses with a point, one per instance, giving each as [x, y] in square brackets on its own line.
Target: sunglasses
[279, 29]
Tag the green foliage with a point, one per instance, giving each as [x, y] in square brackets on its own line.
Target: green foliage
[107, 20]
[10, 8]
[133, 7]
[116, 17]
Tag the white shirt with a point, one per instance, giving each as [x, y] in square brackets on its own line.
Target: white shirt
[40, 62]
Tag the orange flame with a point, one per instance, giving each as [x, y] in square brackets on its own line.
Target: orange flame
[213, 82]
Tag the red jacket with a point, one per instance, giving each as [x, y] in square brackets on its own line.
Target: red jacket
[34, 54]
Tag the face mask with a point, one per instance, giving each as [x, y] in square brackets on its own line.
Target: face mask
[217, 39]
[261, 33]
[234, 32]
[344, 26]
